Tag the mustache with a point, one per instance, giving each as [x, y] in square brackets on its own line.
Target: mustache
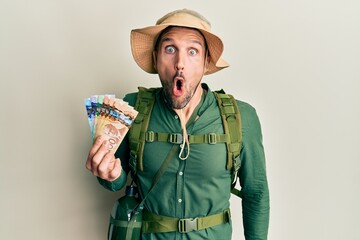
[179, 74]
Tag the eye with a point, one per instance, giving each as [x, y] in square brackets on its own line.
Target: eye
[170, 49]
[192, 52]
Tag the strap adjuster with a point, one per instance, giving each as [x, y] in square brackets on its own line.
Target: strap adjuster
[236, 163]
[227, 215]
[149, 136]
[187, 225]
[212, 138]
[176, 138]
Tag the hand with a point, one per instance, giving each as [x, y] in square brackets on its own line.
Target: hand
[101, 162]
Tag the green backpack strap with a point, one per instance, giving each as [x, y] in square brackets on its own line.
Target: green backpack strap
[231, 119]
[144, 105]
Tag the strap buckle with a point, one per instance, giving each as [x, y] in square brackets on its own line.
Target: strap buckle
[187, 225]
[176, 138]
[149, 136]
[212, 138]
[227, 215]
[236, 163]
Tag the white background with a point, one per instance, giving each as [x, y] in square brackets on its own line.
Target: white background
[296, 62]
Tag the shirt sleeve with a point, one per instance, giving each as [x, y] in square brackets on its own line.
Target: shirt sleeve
[252, 175]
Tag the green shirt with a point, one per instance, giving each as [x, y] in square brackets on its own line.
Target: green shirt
[200, 185]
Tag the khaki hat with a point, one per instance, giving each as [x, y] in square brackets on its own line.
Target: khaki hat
[143, 40]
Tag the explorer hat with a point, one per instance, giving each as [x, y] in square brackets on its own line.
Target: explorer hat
[143, 40]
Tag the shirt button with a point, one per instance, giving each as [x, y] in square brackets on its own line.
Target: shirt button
[181, 173]
[176, 116]
[179, 200]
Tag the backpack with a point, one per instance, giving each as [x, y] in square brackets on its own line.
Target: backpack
[232, 136]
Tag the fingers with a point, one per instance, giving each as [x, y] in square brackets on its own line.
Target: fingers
[116, 171]
[96, 154]
[110, 168]
[99, 157]
[94, 149]
[101, 162]
[105, 166]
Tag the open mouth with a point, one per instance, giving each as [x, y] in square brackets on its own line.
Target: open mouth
[178, 86]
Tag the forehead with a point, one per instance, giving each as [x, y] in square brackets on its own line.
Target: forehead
[182, 33]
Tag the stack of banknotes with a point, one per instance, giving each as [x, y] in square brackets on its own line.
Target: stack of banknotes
[110, 117]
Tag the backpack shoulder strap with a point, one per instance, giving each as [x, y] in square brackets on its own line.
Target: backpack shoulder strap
[144, 105]
[231, 119]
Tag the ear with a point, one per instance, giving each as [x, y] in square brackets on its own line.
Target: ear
[154, 54]
[206, 61]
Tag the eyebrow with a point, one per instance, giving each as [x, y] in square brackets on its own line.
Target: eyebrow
[169, 39]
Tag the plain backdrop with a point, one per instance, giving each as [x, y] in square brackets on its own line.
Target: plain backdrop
[296, 62]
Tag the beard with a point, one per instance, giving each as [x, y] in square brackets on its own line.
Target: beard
[188, 91]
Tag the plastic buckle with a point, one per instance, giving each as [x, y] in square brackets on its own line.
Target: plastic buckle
[149, 136]
[227, 215]
[236, 162]
[187, 225]
[176, 138]
[212, 138]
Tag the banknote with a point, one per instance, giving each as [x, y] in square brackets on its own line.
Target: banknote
[109, 117]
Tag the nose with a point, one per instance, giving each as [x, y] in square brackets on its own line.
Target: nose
[179, 63]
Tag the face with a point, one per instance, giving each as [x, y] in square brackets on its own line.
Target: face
[181, 63]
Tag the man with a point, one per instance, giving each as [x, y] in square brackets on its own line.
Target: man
[181, 49]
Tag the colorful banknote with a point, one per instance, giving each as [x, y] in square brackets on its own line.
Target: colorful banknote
[110, 117]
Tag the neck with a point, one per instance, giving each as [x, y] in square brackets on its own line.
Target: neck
[188, 110]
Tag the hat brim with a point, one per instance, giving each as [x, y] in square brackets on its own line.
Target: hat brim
[142, 42]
